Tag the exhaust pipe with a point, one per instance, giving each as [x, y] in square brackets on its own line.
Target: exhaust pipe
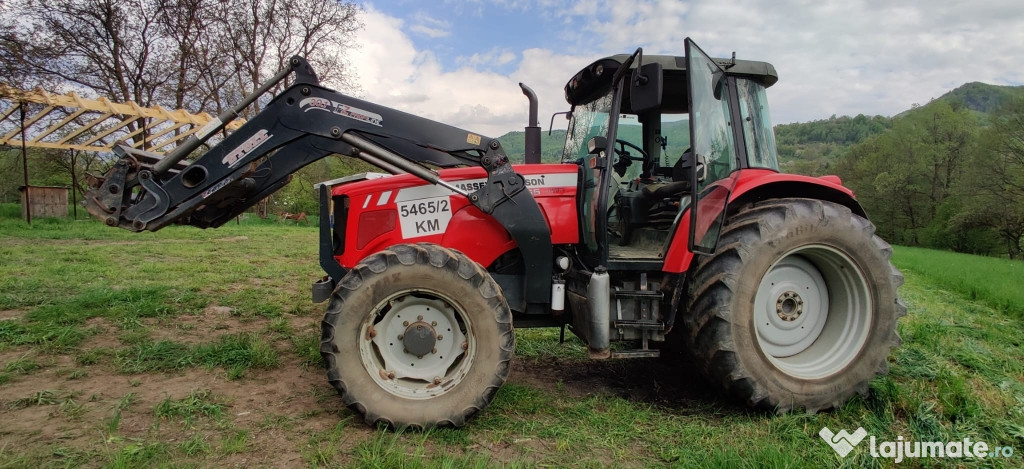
[532, 130]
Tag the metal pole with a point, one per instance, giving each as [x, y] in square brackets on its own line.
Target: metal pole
[24, 163]
[74, 185]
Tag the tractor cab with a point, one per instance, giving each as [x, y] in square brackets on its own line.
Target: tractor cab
[656, 135]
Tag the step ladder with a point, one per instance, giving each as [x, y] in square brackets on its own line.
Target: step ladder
[647, 303]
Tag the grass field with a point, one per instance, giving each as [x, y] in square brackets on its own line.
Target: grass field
[193, 348]
[998, 283]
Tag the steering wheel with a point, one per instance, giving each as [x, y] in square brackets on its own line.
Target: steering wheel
[625, 158]
[622, 150]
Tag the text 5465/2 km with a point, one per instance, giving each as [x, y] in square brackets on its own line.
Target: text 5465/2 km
[423, 207]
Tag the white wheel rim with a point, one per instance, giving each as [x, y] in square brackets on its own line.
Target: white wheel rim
[384, 350]
[813, 312]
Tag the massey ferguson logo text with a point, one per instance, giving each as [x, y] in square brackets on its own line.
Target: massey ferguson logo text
[529, 181]
[321, 104]
[245, 148]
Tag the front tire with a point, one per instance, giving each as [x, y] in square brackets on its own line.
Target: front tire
[797, 308]
[417, 336]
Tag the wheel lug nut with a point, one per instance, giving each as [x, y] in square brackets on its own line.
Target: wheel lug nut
[401, 336]
[419, 318]
[405, 323]
[439, 337]
[434, 350]
[433, 323]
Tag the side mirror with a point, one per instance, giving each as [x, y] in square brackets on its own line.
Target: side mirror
[718, 81]
[596, 145]
[645, 88]
[698, 164]
[702, 168]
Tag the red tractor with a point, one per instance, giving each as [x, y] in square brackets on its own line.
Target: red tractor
[667, 220]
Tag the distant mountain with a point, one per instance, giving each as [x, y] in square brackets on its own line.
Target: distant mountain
[514, 144]
[982, 97]
[812, 147]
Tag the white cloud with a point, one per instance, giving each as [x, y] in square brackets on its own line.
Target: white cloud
[491, 58]
[429, 26]
[393, 73]
[428, 31]
[833, 57]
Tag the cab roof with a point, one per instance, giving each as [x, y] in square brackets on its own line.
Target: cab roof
[594, 79]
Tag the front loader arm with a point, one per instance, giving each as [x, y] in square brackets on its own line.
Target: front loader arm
[300, 125]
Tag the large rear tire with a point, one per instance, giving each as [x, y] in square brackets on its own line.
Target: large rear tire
[797, 308]
[417, 336]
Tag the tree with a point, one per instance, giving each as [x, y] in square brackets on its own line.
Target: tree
[907, 173]
[264, 34]
[199, 55]
[994, 181]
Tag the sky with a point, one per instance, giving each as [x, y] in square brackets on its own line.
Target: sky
[460, 62]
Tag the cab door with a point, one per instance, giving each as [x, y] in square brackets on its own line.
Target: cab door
[713, 139]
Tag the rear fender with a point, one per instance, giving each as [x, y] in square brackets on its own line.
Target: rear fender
[755, 185]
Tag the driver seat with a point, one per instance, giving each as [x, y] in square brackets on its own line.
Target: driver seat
[656, 203]
[680, 180]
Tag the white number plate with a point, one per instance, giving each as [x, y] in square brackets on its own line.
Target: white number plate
[424, 217]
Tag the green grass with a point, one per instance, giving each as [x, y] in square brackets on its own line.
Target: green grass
[237, 353]
[105, 303]
[998, 283]
[40, 398]
[196, 445]
[234, 352]
[22, 366]
[10, 210]
[196, 404]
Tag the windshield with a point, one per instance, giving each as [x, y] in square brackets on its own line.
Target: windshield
[588, 120]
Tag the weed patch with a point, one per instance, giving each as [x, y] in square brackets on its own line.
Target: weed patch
[235, 352]
[197, 404]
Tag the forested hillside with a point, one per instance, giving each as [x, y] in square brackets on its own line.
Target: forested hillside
[812, 148]
[948, 174]
[945, 176]
[514, 144]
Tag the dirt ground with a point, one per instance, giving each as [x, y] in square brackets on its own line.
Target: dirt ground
[64, 405]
